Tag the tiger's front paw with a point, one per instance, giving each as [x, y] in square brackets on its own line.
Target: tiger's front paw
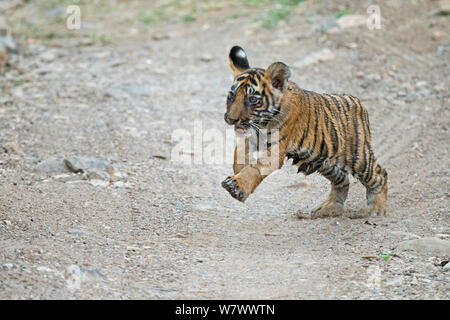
[233, 188]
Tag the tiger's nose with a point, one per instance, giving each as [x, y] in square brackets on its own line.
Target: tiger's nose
[229, 120]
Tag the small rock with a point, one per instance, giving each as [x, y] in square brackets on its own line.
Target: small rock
[134, 90]
[437, 35]
[44, 269]
[203, 207]
[351, 20]
[51, 166]
[206, 57]
[84, 164]
[69, 177]
[118, 184]
[9, 44]
[160, 36]
[8, 266]
[134, 249]
[99, 183]
[3, 57]
[10, 147]
[47, 56]
[316, 57]
[374, 77]
[98, 175]
[428, 246]
[444, 7]
[446, 267]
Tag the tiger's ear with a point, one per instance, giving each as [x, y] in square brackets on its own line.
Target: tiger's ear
[277, 74]
[238, 60]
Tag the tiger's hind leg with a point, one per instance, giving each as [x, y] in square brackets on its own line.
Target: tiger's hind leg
[374, 178]
[333, 206]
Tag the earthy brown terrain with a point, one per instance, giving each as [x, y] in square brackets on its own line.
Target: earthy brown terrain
[133, 224]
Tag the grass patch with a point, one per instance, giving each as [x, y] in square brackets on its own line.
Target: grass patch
[342, 13]
[151, 17]
[188, 18]
[281, 12]
[274, 17]
[102, 38]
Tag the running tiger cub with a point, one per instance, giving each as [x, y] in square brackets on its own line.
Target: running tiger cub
[324, 133]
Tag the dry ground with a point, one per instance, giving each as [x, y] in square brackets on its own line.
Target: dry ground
[171, 231]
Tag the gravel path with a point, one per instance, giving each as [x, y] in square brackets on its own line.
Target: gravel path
[168, 230]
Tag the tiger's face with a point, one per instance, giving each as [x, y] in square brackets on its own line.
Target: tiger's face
[253, 101]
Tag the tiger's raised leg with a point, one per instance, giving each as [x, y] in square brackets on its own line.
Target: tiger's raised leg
[243, 183]
[374, 178]
[333, 206]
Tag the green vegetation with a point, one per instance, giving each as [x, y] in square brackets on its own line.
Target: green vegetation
[342, 13]
[188, 18]
[386, 255]
[281, 12]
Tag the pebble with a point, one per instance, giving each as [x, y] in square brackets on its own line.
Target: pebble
[206, 57]
[9, 44]
[98, 175]
[134, 249]
[43, 269]
[99, 183]
[315, 57]
[118, 184]
[85, 164]
[428, 246]
[8, 266]
[351, 20]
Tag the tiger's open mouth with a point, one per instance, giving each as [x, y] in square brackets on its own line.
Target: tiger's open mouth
[238, 128]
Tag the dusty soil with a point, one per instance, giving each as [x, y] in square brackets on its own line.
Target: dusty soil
[170, 231]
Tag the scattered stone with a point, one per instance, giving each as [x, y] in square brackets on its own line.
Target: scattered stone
[316, 57]
[134, 249]
[446, 267]
[84, 164]
[437, 35]
[118, 184]
[428, 246]
[10, 147]
[8, 266]
[51, 166]
[134, 90]
[442, 236]
[75, 275]
[99, 183]
[98, 175]
[9, 44]
[160, 36]
[351, 20]
[44, 269]
[47, 57]
[68, 177]
[206, 57]
[203, 207]
[444, 8]
[78, 232]
[3, 57]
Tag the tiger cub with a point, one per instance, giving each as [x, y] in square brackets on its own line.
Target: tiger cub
[324, 133]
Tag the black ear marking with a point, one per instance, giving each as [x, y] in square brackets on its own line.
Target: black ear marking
[278, 74]
[238, 60]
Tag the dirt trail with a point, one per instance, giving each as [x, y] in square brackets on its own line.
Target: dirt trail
[170, 230]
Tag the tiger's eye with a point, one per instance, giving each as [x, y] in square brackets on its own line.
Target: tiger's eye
[253, 100]
[230, 96]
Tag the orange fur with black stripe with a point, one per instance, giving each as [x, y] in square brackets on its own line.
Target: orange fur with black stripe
[324, 133]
